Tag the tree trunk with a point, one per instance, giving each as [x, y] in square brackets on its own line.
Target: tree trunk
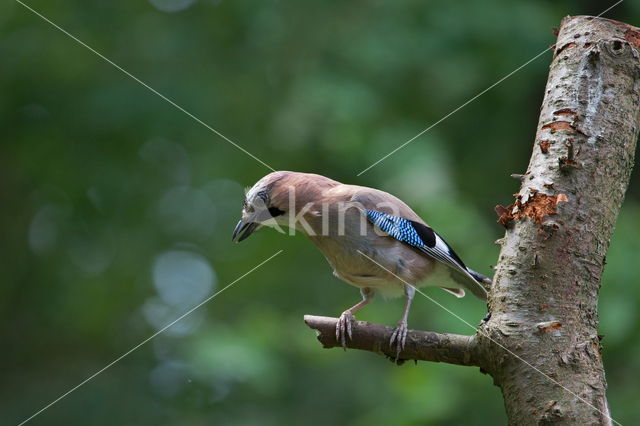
[545, 292]
[541, 344]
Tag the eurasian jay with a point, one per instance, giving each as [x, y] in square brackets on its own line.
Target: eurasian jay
[373, 240]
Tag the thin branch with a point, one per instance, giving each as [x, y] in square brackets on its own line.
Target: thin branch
[421, 345]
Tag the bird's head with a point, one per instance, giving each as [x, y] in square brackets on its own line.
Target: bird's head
[265, 204]
[282, 199]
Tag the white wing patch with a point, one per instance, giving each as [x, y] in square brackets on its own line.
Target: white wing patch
[424, 239]
[441, 245]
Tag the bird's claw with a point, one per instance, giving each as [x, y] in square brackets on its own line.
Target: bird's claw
[399, 337]
[343, 328]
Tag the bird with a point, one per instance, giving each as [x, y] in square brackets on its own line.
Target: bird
[371, 239]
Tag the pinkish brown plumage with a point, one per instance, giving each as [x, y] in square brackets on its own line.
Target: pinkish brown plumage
[372, 239]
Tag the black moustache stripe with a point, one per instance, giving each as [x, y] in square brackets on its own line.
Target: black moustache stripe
[275, 212]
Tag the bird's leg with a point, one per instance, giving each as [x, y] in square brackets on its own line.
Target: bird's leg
[399, 335]
[344, 324]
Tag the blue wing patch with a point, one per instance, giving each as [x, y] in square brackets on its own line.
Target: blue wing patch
[427, 241]
[397, 227]
[417, 235]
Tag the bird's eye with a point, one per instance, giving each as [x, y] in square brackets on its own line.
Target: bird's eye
[247, 207]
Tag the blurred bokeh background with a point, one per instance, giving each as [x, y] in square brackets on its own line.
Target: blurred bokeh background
[117, 209]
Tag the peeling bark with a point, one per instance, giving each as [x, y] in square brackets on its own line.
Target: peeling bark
[541, 344]
[545, 292]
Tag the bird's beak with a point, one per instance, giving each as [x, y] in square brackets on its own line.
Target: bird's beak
[243, 230]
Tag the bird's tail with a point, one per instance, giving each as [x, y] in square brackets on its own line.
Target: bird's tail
[480, 278]
[476, 283]
[483, 281]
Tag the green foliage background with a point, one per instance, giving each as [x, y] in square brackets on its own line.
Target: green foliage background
[117, 209]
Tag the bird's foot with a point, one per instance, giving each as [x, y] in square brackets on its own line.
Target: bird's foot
[343, 328]
[399, 337]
